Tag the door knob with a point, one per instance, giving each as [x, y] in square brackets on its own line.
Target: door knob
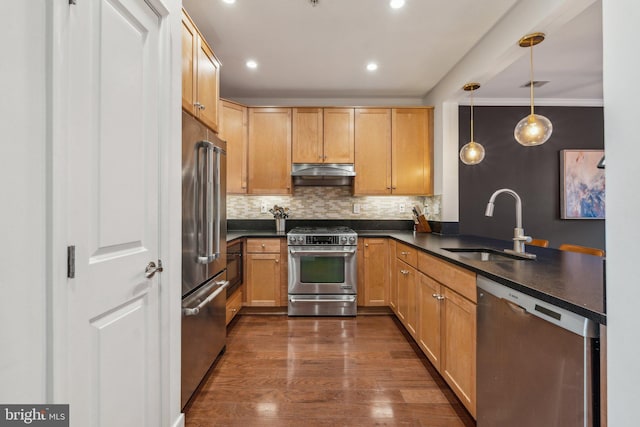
[151, 269]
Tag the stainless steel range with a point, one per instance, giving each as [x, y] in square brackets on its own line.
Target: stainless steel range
[322, 271]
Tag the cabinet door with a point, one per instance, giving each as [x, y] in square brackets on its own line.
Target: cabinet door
[233, 129]
[234, 304]
[407, 313]
[458, 364]
[376, 272]
[263, 279]
[372, 151]
[189, 52]
[429, 303]
[307, 135]
[412, 151]
[269, 151]
[393, 279]
[208, 81]
[412, 302]
[338, 135]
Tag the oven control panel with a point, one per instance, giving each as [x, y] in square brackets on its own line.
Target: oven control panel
[304, 239]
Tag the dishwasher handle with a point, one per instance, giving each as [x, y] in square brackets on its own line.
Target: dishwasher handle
[196, 310]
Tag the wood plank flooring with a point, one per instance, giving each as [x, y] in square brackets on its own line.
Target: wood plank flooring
[316, 371]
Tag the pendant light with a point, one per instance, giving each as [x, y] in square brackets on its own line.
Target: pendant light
[534, 129]
[471, 153]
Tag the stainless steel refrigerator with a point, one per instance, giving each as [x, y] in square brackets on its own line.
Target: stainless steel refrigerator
[204, 230]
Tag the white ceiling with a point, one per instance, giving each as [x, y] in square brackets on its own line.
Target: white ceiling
[321, 52]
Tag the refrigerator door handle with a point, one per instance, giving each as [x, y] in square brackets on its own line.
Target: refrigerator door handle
[208, 192]
[215, 232]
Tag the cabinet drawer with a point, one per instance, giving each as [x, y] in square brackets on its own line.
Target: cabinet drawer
[257, 246]
[407, 254]
[234, 304]
[457, 278]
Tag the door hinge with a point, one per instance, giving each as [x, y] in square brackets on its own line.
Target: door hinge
[71, 262]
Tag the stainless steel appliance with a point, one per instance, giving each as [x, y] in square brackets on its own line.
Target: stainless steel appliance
[537, 363]
[234, 266]
[322, 174]
[322, 271]
[204, 247]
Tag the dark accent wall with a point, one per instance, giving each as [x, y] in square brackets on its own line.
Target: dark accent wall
[532, 172]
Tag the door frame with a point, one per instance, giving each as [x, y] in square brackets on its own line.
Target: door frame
[169, 210]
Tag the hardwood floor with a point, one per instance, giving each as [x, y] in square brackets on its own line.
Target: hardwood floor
[316, 371]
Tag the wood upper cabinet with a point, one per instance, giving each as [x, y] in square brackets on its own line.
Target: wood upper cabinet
[373, 272]
[372, 151]
[412, 151]
[269, 152]
[338, 135]
[394, 151]
[233, 129]
[200, 75]
[263, 272]
[323, 135]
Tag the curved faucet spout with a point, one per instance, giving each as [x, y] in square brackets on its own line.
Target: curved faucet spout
[490, 205]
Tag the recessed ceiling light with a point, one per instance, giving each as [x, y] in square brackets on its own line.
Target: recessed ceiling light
[252, 64]
[396, 4]
[372, 66]
[229, 1]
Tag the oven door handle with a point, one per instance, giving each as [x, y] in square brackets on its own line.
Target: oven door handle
[350, 299]
[327, 253]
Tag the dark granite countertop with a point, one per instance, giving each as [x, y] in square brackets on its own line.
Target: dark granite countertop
[566, 279]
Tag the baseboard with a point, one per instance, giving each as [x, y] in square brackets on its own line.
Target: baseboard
[179, 422]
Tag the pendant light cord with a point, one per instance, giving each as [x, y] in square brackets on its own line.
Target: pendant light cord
[471, 97]
[531, 73]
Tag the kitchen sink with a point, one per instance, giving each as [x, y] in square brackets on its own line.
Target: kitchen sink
[486, 254]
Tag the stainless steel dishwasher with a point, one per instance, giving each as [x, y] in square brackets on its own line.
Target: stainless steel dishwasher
[537, 363]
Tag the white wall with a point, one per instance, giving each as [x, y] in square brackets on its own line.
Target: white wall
[621, 110]
[495, 52]
[23, 171]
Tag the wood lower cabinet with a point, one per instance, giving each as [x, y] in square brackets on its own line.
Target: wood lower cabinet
[458, 329]
[429, 312]
[263, 270]
[269, 152]
[373, 272]
[234, 304]
[393, 283]
[233, 129]
[200, 75]
[406, 276]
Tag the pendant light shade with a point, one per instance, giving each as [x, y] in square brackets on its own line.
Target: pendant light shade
[534, 129]
[471, 153]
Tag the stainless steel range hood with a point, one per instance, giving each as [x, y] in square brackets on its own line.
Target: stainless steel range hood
[322, 174]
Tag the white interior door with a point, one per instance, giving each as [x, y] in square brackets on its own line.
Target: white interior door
[113, 195]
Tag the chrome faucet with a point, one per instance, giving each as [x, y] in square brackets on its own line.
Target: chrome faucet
[519, 239]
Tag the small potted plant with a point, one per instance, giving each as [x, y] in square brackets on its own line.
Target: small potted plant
[280, 214]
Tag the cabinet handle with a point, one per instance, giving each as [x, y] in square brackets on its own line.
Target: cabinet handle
[277, 260]
[388, 188]
[438, 297]
[366, 245]
[405, 253]
[263, 245]
[405, 272]
[197, 105]
[202, 107]
[393, 188]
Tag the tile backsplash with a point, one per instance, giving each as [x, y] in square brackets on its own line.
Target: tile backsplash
[332, 203]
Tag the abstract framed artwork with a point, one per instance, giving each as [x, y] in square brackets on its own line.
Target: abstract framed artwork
[582, 189]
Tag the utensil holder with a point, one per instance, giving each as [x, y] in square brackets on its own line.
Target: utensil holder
[280, 223]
